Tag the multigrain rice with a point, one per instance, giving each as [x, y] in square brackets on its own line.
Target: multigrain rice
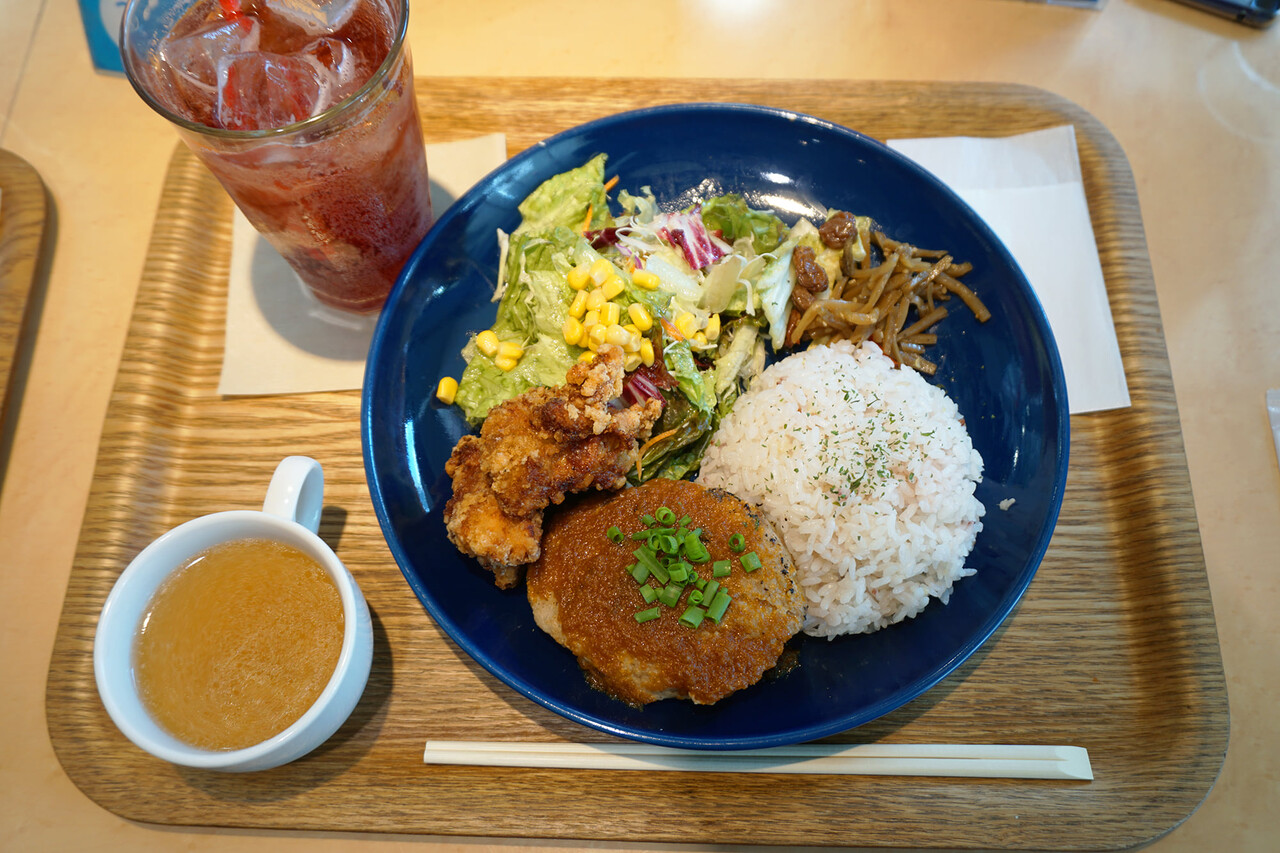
[867, 473]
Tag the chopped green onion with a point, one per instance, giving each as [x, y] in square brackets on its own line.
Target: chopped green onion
[718, 605]
[737, 543]
[692, 616]
[695, 551]
[665, 567]
[650, 561]
[750, 561]
[651, 613]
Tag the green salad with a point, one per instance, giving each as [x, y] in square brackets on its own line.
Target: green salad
[694, 297]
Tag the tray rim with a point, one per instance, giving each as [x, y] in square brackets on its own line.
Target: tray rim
[23, 213]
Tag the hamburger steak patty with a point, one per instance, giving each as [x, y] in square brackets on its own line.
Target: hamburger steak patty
[583, 595]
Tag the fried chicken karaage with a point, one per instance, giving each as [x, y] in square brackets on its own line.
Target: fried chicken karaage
[535, 449]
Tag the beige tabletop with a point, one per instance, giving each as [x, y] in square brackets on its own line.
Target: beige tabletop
[1201, 130]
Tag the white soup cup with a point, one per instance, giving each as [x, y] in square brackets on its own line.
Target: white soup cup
[291, 515]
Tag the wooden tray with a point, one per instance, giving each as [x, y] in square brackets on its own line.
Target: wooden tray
[22, 215]
[1114, 647]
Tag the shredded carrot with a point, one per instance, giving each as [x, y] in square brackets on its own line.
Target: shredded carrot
[650, 443]
[586, 224]
[671, 329]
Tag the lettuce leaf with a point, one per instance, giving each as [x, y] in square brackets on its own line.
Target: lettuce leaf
[564, 199]
[730, 215]
[484, 385]
[697, 388]
[535, 297]
[774, 289]
[681, 452]
[738, 345]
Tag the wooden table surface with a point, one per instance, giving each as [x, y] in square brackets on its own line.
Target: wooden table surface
[1207, 176]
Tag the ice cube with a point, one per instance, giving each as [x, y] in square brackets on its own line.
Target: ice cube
[337, 67]
[261, 90]
[194, 57]
[318, 17]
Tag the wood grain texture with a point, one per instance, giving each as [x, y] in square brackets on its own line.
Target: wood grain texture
[1113, 648]
[22, 225]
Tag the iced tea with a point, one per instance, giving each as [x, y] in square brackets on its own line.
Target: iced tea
[305, 111]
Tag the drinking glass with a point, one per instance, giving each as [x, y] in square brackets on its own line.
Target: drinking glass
[343, 194]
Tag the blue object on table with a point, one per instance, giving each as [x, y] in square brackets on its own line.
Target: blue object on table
[1004, 375]
[102, 28]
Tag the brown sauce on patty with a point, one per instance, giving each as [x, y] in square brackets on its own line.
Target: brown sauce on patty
[583, 595]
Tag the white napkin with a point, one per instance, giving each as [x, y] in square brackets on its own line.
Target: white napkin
[280, 339]
[1029, 191]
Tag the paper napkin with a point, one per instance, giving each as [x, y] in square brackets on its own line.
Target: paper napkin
[280, 339]
[1029, 191]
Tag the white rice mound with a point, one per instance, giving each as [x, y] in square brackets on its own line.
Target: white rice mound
[867, 473]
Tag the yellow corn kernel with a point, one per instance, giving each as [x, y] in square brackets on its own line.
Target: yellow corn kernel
[595, 299]
[598, 334]
[601, 270]
[506, 363]
[700, 339]
[587, 357]
[632, 345]
[487, 342]
[713, 327]
[640, 316]
[646, 352]
[578, 277]
[591, 318]
[509, 349]
[644, 278]
[610, 313]
[632, 361]
[579, 304]
[573, 331]
[447, 390]
[687, 324]
[612, 286]
[617, 336]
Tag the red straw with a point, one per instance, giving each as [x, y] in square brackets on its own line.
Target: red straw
[231, 9]
[231, 12]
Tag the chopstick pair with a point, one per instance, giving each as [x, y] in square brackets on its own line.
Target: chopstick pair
[962, 760]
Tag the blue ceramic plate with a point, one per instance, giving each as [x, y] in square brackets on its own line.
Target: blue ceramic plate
[1005, 375]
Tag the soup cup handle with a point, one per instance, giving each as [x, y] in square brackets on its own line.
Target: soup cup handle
[296, 492]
